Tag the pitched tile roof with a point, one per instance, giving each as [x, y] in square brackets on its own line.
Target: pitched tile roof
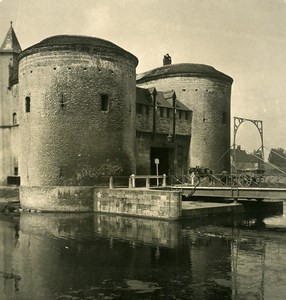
[164, 99]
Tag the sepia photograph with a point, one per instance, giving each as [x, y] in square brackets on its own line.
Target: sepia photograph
[142, 149]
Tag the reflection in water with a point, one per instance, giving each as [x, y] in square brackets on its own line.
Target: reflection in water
[93, 256]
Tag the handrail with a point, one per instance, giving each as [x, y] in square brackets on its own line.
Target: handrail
[147, 178]
[133, 177]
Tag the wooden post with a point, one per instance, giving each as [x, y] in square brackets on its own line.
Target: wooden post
[111, 182]
[164, 183]
[130, 183]
[133, 180]
[147, 182]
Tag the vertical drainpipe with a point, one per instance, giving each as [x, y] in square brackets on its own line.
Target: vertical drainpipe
[154, 96]
[174, 116]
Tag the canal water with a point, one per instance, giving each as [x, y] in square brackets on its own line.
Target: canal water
[93, 256]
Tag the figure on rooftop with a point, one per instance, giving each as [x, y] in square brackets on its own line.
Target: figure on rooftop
[167, 60]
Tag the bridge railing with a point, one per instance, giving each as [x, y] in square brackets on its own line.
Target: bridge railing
[236, 180]
[155, 180]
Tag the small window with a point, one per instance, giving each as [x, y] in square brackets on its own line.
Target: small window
[180, 114]
[16, 171]
[104, 102]
[161, 112]
[139, 109]
[168, 113]
[147, 110]
[186, 115]
[28, 104]
[224, 118]
[14, 119]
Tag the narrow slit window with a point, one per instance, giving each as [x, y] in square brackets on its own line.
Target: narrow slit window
[14, 118]
[28, 104]
[104, 102]
[16, 171]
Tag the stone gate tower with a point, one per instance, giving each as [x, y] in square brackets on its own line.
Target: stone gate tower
[77, 112]
[207, 92]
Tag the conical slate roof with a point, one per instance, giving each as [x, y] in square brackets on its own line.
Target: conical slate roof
[11, 43]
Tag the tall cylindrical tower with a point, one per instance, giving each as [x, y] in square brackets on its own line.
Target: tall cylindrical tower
[207, 92]
[77, 115]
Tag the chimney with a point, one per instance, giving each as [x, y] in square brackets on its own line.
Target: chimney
[167, 60]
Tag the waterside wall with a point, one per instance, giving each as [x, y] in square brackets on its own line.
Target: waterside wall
[139, 202]
[57, 198]
[130, 202]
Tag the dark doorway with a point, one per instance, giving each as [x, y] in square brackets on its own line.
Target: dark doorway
[163, 155]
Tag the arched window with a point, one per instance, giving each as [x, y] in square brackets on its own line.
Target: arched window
[28, 104]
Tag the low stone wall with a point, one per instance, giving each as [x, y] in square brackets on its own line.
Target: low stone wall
[139, 202]
[57, 198]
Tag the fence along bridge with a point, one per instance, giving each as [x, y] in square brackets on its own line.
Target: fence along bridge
[244, 183]
[248, 184]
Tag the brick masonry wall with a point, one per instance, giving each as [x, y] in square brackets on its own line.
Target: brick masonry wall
[209, 98]
[143, 203]
[65, 199]
[163, 124]
[67, 139]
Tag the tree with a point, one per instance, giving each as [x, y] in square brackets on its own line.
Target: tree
[277, 156]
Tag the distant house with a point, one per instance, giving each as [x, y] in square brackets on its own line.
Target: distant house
[241, 160]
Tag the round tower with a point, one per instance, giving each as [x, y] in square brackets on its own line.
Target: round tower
[77, 115]
[207, 92]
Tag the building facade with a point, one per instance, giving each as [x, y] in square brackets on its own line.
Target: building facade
[73, 113]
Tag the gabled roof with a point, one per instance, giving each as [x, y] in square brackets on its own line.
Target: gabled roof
[164, 99]
[161, 100]
[143, 96]
[11, 43]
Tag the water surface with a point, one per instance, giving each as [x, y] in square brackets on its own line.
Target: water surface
[94, 256]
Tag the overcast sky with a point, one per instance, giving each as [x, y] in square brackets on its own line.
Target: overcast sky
[246, 39]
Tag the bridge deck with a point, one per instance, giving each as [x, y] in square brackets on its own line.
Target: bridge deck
[232, 192]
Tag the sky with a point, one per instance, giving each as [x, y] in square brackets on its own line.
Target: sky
[245, 39]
